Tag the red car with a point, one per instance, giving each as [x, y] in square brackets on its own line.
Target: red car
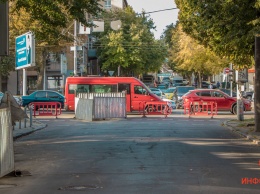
[223, 100]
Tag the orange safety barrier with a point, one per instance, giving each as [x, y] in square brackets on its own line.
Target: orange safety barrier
[155, 108]
[46, 108]
[201, 108]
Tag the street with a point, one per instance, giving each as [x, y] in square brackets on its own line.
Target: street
[135, 155]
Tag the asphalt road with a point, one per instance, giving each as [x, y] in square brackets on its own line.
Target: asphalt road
[135, 155]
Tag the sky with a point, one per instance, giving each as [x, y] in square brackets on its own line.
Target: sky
[162, 18]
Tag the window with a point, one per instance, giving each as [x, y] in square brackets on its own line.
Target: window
[204, 93]
[41, 94]
[108, 4]
[124, 88]
[103, 88]
[55, 82]
[218, 94]
[79, 88]
[140, 90]
[72, 88]
[53, 95]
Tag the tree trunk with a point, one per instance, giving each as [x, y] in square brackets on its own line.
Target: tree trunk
[41, 70]
[199, 76]
[257, 84]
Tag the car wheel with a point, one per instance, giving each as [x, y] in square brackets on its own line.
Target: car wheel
[149, 109]
[234, 109]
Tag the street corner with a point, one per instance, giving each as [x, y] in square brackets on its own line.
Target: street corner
[245, 129]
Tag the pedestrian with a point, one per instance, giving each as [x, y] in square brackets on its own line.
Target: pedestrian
[218, 84]
[210, 86]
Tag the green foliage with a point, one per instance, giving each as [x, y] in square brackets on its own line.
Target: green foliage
[132, 47]
[226, 27]
[7, 64]
[189, 56]
[49, 18]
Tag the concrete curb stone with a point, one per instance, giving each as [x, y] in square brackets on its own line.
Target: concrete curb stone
[252, 136]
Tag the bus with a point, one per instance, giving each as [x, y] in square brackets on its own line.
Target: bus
[136, 91]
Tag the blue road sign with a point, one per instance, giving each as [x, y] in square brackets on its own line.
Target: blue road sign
[24, 51]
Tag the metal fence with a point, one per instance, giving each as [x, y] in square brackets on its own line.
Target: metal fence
[89, 106]
[6, 143]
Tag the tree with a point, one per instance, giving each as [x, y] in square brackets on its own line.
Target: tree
[49, 19]
[7, 65]
[133, 47]
[229, 29]
[192, 57]
[226, 27]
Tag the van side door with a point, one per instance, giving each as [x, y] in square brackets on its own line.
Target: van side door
[139, 95]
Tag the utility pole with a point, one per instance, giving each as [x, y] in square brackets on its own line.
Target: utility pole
[257, 84]
[75, 48]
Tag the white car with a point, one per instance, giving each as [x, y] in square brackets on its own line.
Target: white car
[170, 103]
[186, 82]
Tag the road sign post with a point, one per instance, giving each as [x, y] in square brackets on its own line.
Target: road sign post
[24, 54]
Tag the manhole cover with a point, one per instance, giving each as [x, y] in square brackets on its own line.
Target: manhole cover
[79, 188]
[7, 186]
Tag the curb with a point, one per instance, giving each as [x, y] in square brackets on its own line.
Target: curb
[237, 131]
[28, 131]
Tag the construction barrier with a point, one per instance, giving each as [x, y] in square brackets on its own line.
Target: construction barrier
[201, 108]
[155, 108]
[45, 108]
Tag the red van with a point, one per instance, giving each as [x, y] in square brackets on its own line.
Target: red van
[136, 90]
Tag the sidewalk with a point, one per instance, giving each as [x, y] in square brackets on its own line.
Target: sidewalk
[245, 129]
[20, 129]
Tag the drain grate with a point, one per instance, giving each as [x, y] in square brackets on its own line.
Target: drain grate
[79, 188]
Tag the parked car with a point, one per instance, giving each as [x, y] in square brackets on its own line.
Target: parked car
[157, 91]
[204, 84]
[186, 82]
[179, 92]
[169, 93]
[224, 101]
[1, 96]
[43, 96]
[248, 95]
[163, 87]
[171, 103]
[18, 100]
[228, 92]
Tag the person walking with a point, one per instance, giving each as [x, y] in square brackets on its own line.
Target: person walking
[210, 86]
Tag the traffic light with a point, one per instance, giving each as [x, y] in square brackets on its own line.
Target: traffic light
[48, 62]
[231, 75]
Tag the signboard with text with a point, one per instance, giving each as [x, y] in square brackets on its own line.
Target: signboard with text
[242, 76]
[24, 51]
